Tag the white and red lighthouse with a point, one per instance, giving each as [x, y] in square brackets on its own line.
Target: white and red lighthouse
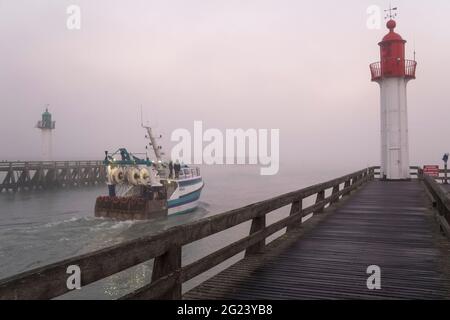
[392, 73]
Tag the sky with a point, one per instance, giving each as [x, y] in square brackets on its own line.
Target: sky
[297, 66]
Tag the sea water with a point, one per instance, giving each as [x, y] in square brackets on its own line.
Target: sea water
[41, 227]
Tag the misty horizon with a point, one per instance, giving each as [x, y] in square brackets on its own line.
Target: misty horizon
[300, 68]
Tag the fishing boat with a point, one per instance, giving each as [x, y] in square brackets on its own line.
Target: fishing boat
[140, 188]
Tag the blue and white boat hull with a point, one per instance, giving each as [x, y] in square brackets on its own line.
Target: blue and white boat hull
[185, 198]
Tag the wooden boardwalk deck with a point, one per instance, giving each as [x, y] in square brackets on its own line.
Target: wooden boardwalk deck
[388, 224]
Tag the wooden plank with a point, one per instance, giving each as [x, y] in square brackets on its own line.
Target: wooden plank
[231, 250]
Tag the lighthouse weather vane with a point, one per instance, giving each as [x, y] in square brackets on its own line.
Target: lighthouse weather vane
[390, 13]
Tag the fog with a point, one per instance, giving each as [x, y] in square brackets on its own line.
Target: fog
[301, 67]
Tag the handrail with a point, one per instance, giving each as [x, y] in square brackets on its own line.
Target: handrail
[409, 71]
[166, 246]
[410, 68]
[375, 70]
[414, 171]
[441, 199]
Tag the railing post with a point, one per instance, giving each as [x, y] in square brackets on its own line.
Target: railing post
[13, 181]
[165, 264]
[445, 174]
[67, 174]
[320, 197]
[420, 174]
[355, 178]
[102, 173]
[335, 190]
[258, 223]
[372, 173]
[295, 208]
[347, 184]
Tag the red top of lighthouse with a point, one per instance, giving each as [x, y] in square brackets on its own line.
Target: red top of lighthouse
[392, 57]
[392, 36]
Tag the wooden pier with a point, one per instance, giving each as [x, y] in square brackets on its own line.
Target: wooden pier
[21, 176]
[384, 224]
[357, 221]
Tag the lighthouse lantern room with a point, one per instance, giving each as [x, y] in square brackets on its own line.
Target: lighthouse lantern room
[392, 73]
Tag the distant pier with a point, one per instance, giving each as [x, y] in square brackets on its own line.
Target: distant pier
[358, 221]
[34, 175]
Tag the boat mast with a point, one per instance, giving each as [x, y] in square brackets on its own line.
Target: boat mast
[156, 147]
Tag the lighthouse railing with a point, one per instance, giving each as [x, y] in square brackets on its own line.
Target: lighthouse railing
[376, 69]
[410, 68]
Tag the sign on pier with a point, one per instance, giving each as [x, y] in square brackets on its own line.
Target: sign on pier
[431, 170]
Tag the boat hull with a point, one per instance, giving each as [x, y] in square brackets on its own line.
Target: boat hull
[186, 197]
[130, 208]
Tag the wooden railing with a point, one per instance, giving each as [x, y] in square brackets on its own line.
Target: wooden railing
[166, 246]
[441, 201]
[417, 172]
[414, 171]
[443, 176]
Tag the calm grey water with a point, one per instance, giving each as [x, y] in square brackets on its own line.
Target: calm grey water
[41, 227]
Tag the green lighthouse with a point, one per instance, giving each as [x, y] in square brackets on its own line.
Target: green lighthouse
[46, 122]
[46, 125]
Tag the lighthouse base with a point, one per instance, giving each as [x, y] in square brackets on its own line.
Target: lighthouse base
[394, 129]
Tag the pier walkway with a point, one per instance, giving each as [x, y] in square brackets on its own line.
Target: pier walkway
[388, 224]
[354, 222]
